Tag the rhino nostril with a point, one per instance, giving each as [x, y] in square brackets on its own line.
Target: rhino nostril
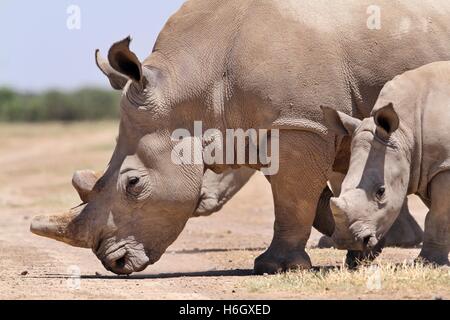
[120, 263]
[366, 240]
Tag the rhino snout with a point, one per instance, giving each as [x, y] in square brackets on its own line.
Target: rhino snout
[364, 235]
[122, 257]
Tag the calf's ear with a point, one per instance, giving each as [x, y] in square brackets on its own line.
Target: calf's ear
[123, 60]
[387, 120]
[340, 123]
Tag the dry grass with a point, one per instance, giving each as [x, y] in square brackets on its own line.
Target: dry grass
[380, 280]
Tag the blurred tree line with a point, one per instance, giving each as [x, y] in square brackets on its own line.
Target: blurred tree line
[53, 105]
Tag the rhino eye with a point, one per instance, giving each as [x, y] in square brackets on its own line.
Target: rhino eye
[380, 192]
[133, 181]
[135, 186]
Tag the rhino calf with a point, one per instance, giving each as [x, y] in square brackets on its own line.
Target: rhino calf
[402, 149]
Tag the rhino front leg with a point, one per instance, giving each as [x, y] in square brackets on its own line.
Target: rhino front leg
[296, 190]
[217, 189]
[436, 245]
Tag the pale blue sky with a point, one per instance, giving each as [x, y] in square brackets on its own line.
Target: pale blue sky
[39, 52]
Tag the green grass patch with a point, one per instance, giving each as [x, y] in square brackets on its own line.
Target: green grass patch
[54, 105]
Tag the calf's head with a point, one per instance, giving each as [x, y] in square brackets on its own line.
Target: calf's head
[138, 207]
[375, 187]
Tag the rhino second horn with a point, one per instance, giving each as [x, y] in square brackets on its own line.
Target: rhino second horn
[68, 228]
[84, 181]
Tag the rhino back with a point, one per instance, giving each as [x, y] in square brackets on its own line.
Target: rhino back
[277, 61]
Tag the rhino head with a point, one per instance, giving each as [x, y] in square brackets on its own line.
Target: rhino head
[139, 206]
[375, 187]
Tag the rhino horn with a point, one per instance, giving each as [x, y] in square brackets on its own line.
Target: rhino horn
[84, 181]
[70, 227]
[117, 80]
[337, 207]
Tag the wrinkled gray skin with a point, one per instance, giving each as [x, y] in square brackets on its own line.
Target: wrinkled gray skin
[217, 189]
[241, 64]
[404, 148]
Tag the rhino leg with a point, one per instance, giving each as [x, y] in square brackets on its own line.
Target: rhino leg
[217, 189]
[436, 245]
[296, 189]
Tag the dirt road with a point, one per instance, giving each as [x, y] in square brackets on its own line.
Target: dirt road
[212, 259]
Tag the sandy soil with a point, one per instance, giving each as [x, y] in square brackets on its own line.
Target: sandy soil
[212, 258]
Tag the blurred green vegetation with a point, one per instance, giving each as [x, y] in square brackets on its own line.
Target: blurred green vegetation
[54, 105]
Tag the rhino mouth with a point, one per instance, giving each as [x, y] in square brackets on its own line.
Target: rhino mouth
[122, 258]
[370, 241]
[367, 238]
[119, 265]
[363, 235]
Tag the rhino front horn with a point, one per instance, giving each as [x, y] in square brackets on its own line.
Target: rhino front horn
[337, 207]
[69, 227]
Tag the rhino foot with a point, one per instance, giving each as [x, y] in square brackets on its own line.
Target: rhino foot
[271, 263]
[433, 258]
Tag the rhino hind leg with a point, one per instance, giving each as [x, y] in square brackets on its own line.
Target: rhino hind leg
[436, 245]
[405, 232]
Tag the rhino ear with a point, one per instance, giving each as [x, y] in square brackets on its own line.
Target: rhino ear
[124, 61]
[386, 119]
[117, 80]
[340, 123]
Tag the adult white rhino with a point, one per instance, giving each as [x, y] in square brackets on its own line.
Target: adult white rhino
[244, 64]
